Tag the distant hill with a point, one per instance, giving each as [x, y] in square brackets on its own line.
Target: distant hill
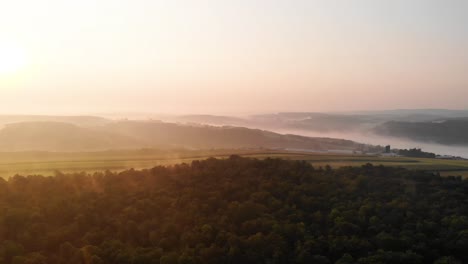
[447, 113]
[325, 122]
[177, 135]
[89, 133]
[57, 136]
[449, 132]
[322, 122]
[210, 120]
[76, 120]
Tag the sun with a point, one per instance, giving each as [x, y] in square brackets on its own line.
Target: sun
[12, 58]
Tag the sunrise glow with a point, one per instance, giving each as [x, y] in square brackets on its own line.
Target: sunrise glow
[12, 58]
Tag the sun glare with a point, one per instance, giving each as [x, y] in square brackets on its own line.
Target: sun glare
[12, 58]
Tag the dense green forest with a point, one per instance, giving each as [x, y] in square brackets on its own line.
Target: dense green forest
[236, 210]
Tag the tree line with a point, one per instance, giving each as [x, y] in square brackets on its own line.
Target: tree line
[416, 153]
[236, 210]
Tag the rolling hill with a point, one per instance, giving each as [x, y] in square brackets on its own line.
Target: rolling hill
[59, 136]
[76, 120]
[449, 132]
[363, 121]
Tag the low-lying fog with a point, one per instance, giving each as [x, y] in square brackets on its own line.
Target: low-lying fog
[370, 138]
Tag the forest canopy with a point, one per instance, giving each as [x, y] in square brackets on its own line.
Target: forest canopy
[236, 210]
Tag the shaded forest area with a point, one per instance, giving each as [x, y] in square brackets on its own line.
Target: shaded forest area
[236, 210]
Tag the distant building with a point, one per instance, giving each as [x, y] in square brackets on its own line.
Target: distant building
[387, 149]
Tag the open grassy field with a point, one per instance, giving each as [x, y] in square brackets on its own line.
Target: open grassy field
[48, 163]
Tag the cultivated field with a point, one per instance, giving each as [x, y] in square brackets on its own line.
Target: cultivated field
[49, 163]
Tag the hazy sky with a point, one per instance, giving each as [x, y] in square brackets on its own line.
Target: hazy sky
[233, 56]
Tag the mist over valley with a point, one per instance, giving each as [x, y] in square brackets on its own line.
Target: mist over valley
[226, 132]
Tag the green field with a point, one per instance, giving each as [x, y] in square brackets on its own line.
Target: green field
[48, 163]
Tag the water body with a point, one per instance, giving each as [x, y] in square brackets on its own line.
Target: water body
[401, 143]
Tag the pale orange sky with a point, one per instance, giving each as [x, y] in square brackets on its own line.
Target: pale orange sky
[246, 56]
